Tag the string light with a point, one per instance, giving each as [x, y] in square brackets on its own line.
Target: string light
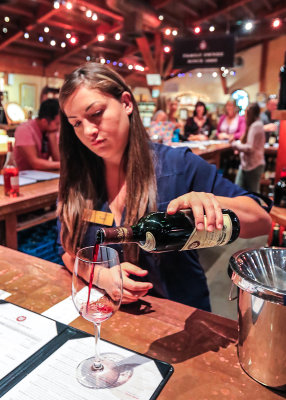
[211, 28]
[46, 29]
[161, 17]
[4, 30]
[69, 5]
[130, 66]
[56, 4]
[174, 32]
[41, 38]
[73, 40]
[87, 58]
[94, 17]
[114, 63]
[167, 49]
[107, 61]
[276, 23]
[197, 30]
[68, 35]
[88, 13]
[168, 31]
[214, 74]
[102, 60]
[199, 74]
[248, 26]
[53, 42]
[232, 73]
[100, 37]
[26, 35]
[6, 19]
[117, 36]
[120, 64]
[63, 45]
[139, 68]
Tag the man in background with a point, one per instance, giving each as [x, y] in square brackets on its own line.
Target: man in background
[36, 141]
[271, 126]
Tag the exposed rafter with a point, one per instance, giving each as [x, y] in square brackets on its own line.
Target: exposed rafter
[44, 17]
[106, 28]
[213, 14]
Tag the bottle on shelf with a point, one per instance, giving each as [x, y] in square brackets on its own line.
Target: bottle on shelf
[11, 174]
[275, 242]
[282, 92]
[283, 243]
[280, 190]
[160, 232]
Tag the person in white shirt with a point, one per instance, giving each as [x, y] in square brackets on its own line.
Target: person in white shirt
[251, 149]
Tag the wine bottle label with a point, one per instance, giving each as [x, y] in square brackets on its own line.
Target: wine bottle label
[14, 180]
[201, 239]
[150, 243]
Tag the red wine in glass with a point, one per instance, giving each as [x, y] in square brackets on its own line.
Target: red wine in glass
[94, 259]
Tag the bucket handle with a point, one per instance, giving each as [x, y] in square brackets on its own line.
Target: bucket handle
[230, 296]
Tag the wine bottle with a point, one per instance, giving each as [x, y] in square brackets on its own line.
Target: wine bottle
[283, 243]
[280, 190]
[11, 174]
[275, 242]
[160, 232]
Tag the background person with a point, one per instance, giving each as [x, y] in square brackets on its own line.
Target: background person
[231, 125]
[271, 126]
[251, 149]
[109, 164]
[36, 140]
[198, 127]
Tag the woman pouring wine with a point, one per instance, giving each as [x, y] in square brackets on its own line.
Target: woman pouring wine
[111, 175]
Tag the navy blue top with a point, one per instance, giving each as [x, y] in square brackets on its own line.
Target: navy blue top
[178, 275]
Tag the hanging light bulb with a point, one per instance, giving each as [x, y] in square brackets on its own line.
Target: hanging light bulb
[94, 17]
[26, 35]
[46, 29]
[276, 23]
[56, 4]
[167, 49]
[168, 31]
[68, 35]
[211, 28]
[69, 5]
[199, 74]
[63, 45]
[88, 13]
[101, 37]
[117, 36]
[197, 30]
[53, 42]
[248, 26]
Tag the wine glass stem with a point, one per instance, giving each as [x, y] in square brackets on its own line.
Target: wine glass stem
[97, 363]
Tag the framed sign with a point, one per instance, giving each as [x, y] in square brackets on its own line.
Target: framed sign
[28, 95]
[204, 52]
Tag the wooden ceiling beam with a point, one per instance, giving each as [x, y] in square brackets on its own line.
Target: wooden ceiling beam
[13, 10]
[213, 14]
[159, 53]
[71, 27]
[44, 17]
[157, 4]
[97, 9]
[104, 28]
[145, 50]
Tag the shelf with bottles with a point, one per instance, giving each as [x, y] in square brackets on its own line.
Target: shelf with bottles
[277, 236]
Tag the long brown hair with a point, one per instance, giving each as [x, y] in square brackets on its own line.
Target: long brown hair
[252, 115]
[82, 175]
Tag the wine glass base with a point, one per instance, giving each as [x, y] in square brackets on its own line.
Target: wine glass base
[97, 379]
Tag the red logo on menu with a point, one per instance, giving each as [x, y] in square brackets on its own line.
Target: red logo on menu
[21, 318]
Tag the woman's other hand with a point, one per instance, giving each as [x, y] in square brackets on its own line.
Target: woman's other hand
[201, 204]
[133, 290]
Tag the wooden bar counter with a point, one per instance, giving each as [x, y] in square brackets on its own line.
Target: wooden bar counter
[201, 346]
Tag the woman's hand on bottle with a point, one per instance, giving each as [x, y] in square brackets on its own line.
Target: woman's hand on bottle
[133, 290]
[201, 204]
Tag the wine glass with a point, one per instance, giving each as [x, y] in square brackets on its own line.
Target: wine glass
[97, 294]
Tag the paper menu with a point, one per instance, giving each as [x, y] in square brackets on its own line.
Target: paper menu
[55, 378]
[22, 333]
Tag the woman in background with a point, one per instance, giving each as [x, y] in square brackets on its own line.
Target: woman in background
[231, 125]
[251, 148]
[199, 126]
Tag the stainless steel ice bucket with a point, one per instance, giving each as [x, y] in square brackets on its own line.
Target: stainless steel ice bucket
[260, 275]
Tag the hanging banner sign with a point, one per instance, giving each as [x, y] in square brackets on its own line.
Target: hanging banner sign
[204, 52]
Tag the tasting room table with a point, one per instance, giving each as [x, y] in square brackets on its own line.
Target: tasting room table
[201, 346]
[36, 196]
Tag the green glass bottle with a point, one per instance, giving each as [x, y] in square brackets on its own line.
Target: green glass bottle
[160, 232]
